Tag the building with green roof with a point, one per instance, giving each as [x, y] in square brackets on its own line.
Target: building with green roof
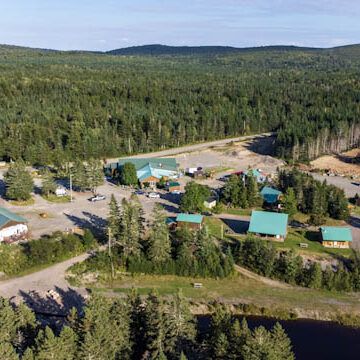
[271, 224]
[193, 221]
[148, 170]
[12, 226]
[270, 195]
[336, 237]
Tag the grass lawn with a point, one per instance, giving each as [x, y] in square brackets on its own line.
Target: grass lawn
[241, 212]
[57, 199]
[237, 289]
[214, 226]
[304, 218]
[356, 210]
[22, 203]
[312, 238]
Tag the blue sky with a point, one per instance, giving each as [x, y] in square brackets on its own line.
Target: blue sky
[111, 24]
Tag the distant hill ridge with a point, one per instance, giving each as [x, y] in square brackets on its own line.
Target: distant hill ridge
[158, 49]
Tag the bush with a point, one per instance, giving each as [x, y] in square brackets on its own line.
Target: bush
[316, 220]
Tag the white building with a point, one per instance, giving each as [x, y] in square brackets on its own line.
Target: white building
[12, 226]
[60, 191]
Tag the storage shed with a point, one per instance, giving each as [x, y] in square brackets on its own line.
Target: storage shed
[193, 221]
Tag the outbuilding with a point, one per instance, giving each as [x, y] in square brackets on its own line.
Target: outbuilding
[191, 220]
[271, 196]
[12, 226]
[210, 203]
[173, 186]
[269, 224]
[336, 237]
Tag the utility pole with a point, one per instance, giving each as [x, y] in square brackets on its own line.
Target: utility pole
[111, 260]
[109, 241]
[71, 199]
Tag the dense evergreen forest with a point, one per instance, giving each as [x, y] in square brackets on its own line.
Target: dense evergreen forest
[58, 106]
[134, 328]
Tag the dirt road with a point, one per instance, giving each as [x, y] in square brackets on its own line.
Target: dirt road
[195, 147]
[43, 280]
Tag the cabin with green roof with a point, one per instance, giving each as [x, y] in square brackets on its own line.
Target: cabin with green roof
[269, 224]
[336, 237]
[271, 196]
[13, 227]
[193, 221]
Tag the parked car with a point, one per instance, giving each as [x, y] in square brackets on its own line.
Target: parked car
[139, 192]
[154, 195]
[97, 198]
[176, 192]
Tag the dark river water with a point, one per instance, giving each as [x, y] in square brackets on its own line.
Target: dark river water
[311, 339]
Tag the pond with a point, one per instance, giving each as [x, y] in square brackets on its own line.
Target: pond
[311, 339]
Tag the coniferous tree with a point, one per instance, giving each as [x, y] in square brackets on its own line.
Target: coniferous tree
[252, 189]
[18, 181]
[180, 324]
[48, 186]
[94, 174]
[155, 330]
[7, 351]
[79, 178]
[130, 227]
[160, 245]
[48, 346]
[113, 222]
[289, 202]
[281, 343]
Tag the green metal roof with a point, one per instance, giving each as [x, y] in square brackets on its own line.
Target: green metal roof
[336, 234]
[162, 163]
[268, 223]
[7, 216]
[270, 194]
[190, 218]
[174, 184]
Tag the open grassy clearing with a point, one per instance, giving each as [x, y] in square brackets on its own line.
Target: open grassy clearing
[239, 289]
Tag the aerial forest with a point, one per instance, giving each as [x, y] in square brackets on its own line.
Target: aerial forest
[62, 106]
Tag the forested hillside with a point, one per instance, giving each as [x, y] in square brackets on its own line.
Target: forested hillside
[57, 106]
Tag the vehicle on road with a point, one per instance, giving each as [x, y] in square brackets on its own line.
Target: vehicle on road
[97, 198]
[154, 195]
[139, 192]
[176, 192]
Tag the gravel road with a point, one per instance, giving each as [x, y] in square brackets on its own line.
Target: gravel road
[43, 280]
[195, 147]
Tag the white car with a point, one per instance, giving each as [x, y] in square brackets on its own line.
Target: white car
[97, 198]
[153, 195]
[176, 192]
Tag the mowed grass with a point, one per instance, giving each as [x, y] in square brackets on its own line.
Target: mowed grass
[238, 289]
[293, 240]
[57, 199]
[304, 218]
[312, 239]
